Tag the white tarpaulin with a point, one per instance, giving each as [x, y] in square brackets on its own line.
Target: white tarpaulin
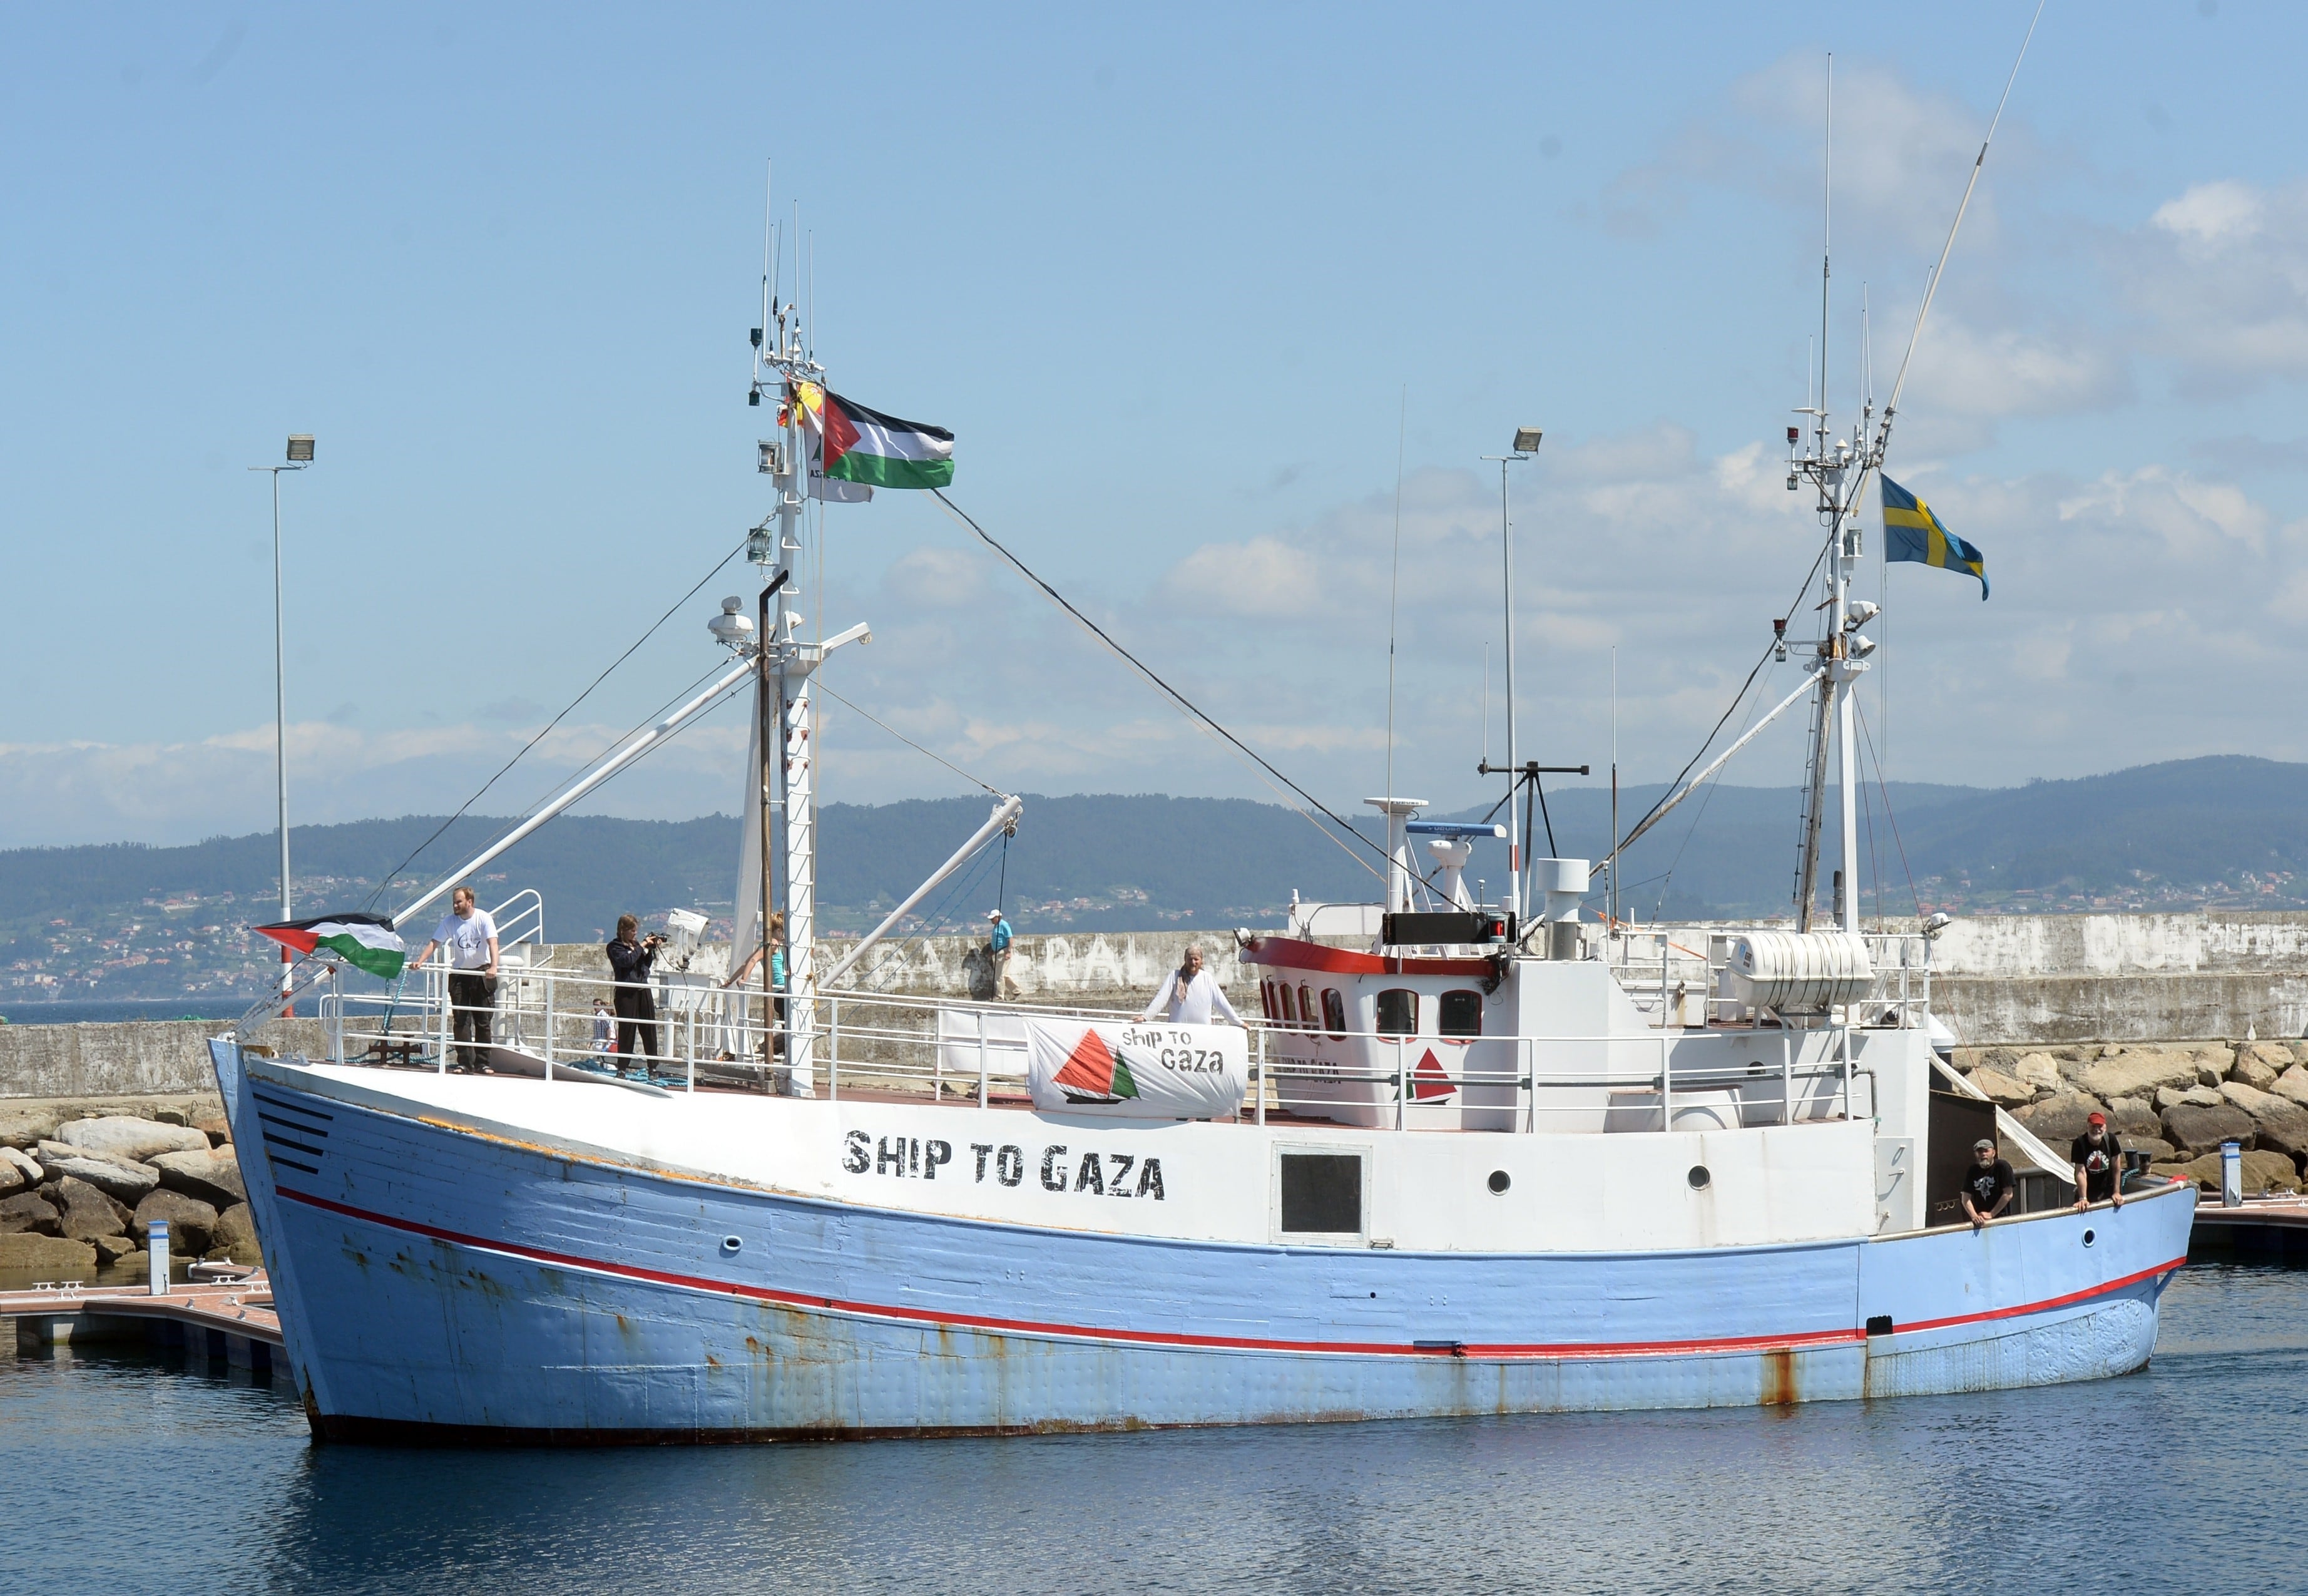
[1138, 1072]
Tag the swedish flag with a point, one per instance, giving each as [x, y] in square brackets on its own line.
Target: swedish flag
[1912, 532]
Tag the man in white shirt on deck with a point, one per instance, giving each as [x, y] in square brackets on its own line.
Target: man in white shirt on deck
[470, 936]
[1189, 994]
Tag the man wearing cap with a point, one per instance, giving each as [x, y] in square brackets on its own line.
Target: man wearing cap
[2098, 1160]
[1987, 1184]
[997, 956]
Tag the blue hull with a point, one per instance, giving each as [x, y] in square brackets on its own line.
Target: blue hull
[434, 1284]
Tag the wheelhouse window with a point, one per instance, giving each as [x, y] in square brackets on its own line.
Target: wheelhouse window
[1282, 1009]
[1334, 1012]
[1306, 1006]
[1398, 1011]
[1461, 1014]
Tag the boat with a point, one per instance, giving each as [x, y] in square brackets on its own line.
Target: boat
[1463, 1157]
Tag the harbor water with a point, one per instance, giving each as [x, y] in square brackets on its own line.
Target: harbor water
[145, 1474]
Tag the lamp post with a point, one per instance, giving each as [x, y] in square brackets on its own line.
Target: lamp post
[301, 455]
[1526, 444]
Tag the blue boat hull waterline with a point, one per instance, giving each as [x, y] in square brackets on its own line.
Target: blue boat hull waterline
[442, 1276]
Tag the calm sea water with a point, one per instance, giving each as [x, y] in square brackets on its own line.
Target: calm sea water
[142, 1475]
[107, 1010]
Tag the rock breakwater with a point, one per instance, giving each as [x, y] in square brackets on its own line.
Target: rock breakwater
[2175, 1101]
[81, 1182]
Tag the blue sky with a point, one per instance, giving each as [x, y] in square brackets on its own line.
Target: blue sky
[1180, 281]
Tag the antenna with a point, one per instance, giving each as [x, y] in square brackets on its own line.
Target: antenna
[769, 231]
[1394, 586]
[1826, 248]
[1486, 704]
[1933, 286]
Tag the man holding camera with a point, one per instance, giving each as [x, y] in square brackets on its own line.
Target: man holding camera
[631, 954]
[470, 936]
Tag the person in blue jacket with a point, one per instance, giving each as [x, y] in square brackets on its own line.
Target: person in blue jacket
[997, 956]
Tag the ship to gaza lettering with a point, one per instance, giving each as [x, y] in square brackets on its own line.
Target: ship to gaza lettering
[887, 1158]
[1054, 1175]
[982, 1149]
[1091, 1177]
[1149, 1178]
[934, 1154]
[1114, 1186]
[1010, 1165]
[858, 1152]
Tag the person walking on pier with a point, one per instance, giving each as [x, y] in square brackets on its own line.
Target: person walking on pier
[470, 937]
[1189, 994]
[1987, 1186]
[2099, 1159]
[631, 954]
[997, 957]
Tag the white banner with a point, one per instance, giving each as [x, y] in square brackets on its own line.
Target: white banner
[1138, 1072]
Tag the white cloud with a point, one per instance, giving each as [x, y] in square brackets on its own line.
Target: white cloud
[2220, 273]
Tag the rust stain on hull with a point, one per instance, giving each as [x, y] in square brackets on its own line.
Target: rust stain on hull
[1779, 1387]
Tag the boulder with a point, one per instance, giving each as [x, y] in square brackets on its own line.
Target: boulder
[2282, 1124]
[26, 1125]
[27, 1212]
[2271, 1057]
[16, 1158]
[124, 1179]
[2060, 1118]
[2292, 1084]
[2040, 1070]
[87, 1212]
[191, 1222]
[2263, 1172]
[2134, 1114]
[2196, 1130]
[2209, 1074]
[2009, 1090]
[12, 1180]
[111, 1249]
[138, 1264]
[215, 1127]
[213, 1176]
[2005, 1059]
[2158, 1151]
[126, 1136]
[235, 1237]
[171, 1117]
[47, 1257]
[2139, 1074]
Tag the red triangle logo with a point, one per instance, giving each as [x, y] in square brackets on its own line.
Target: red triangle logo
[1428, 1079]
[1090, 1068]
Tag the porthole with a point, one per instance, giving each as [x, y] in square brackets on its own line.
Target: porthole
[1699, 1178]
[730, 1244]
[1499, 1182]
[2090, 1237]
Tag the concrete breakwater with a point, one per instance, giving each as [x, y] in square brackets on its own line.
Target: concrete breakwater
[81, 1181]
[2176, 1103]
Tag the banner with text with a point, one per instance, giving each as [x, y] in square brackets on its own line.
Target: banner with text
[1138, 1072]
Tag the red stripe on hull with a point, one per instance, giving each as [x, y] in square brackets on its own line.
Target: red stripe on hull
[1815, 1338]
[1287, 953]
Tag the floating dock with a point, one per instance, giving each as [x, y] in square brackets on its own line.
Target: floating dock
[233, 1320]
[2258, 1226]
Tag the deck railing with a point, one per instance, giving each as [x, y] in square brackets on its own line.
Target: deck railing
[944, 1049]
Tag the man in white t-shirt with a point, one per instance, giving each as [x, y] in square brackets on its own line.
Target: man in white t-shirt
[470, 936]
[1189, 995]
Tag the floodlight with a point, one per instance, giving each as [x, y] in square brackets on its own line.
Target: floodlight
[300, 446]
[1526, 440]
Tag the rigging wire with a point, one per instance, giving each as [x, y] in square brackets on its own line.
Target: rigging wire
[550, 725]
[909, 742]
[1889, 813]
[1177, 697]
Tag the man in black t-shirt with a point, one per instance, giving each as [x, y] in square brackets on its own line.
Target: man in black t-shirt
[2098, 1160]
[1987, 1184]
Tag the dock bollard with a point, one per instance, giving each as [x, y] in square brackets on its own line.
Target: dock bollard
[2231, 1174]
[155, 1240]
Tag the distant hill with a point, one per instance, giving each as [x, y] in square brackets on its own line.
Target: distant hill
[124, 920]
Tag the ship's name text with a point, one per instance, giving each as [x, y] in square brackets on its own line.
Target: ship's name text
[1062, 1170]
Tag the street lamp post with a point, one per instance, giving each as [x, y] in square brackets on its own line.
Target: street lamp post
[301, 455]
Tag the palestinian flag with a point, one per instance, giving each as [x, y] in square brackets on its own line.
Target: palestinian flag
[1093, 1074]
[364, 941]
[863, 445]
